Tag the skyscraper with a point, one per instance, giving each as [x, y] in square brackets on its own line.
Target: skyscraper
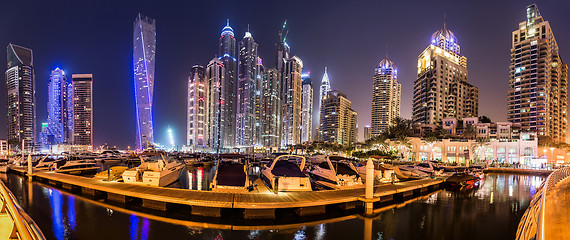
[257, 133]
[386, 92]
[271, 111]
[58, 104]
[367, 132]
[144, 48]
[291, 100]
[441, 89]
[197, 125]
[325, 87]
[338, 120]
[214, 77]
[307, 110]
[82, 109]
[538, 79]
[227, 53]
[21, 97]
[247, 90]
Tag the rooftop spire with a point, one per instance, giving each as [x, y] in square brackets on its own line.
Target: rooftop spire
[227, 22]
[444, 16]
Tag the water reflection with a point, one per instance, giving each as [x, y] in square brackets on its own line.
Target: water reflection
[490, 212]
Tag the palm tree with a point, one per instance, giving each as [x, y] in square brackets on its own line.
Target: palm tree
[403, 142]
[431, 140]
[469, 132]
[481, 144]
[400, 126]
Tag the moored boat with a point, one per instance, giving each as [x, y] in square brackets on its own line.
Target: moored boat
[285, 173]
[231, 174]
[334, 172]
[78, 167]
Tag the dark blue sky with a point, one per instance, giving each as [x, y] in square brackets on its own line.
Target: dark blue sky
[348, 37]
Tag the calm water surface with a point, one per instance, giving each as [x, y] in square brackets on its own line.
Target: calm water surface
[490, 212]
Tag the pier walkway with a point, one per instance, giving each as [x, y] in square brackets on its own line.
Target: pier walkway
[255, 205]
[557, 211]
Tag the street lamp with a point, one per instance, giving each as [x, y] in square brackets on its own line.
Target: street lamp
[552, 153]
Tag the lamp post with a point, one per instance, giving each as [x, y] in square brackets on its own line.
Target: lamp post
[552, 153]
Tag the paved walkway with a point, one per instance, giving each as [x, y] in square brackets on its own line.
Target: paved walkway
[5, 224]
[557, 214]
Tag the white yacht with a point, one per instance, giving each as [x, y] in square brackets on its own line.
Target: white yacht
[382, 172]
[78, 167]
[158, 172]
[231, 174]
[334, 172]
[285, 173]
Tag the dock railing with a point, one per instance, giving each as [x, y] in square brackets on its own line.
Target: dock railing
[532, 223]
[23, 226]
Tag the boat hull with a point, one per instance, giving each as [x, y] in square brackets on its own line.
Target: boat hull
[161, 179]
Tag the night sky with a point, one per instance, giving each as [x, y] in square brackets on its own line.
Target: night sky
[348, 37]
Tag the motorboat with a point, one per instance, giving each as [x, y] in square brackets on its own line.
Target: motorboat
[156, 171]
[231, 174]
[285, 173]
[112, 174]
[463, 181]
[408, 172]
[382, 172]
[109, 156]
[49, 163]
[78, 167]
[334, 172]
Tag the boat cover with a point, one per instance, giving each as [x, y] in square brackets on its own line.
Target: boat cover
[287, 169]
[231, 174]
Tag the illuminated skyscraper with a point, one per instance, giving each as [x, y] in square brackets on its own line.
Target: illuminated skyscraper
[338, 120]
[198, 128]
[386, 93]
[291, 99]
[214, 78]
[260, 71]
[247, 89]
[58, 103]
[82, 96]
[325, 87]
[144, 48]
[538, 79]
[21, 97]
[227, 52]
[366, 132]
[271, 109]
[441, 89]
[307, 110]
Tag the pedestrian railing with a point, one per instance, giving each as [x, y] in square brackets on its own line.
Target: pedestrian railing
[23, 226]
[532, 222]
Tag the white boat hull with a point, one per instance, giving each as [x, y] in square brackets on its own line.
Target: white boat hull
[163, 178]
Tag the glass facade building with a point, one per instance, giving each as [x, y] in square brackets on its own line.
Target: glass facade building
[247, 91]
[21, 97]
[227, 54]
[144, 48]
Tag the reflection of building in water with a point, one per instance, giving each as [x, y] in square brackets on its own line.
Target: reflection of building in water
[199, 174]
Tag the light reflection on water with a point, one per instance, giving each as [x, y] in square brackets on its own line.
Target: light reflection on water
[490, 212]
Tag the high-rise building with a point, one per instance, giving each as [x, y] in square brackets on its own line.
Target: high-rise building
[227, 54]
[257, 133]
[59, 113]
[271, 114]
[21, 97]
[367, 132]
[291, 100]
[338, 120]
[82, 96]
[325, 87]
[46, 139]
[144, 48]
[247, 90]
[538, 79]
[307, 110]
[386, 92]
[197, 128]
[441, 89]
[214, 77]
[282, 49]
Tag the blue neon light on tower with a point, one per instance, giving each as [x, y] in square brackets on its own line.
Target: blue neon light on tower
[58, 107]
[144, 47]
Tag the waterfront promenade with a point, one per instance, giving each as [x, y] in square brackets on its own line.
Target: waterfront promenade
[557, 214]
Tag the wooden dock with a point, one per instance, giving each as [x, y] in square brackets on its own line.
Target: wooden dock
[253, 205]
